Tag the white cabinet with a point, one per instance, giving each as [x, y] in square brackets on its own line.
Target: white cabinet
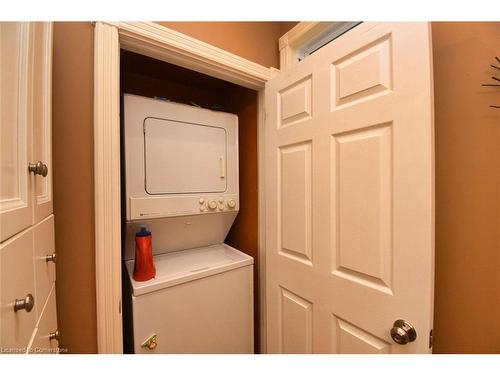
[41, 120]
[17, 283]
[15, 129]
[44, 257]
[44, 340]
[27, 260]
[25, 131]
[27, 268]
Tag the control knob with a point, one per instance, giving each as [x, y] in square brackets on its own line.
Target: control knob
[212, 204]
[202, 204]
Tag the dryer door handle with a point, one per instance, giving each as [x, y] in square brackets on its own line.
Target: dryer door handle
[222, 164]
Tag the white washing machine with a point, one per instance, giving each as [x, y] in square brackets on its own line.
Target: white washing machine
[201, 301]
[181, 182]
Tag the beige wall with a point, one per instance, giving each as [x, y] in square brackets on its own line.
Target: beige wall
[467, 176]
[467, 291]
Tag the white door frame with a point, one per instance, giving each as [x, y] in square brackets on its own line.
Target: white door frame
[154, 40]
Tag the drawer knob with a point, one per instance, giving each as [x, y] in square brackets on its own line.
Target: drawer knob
[38, 168]
[51, 258]
[24, 304]
[54, 335]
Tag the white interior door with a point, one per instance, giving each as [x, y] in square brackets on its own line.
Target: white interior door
[349, 195]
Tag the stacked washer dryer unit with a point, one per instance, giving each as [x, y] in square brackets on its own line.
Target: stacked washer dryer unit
[181, 172]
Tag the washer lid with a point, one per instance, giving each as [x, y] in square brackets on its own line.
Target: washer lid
[188, 265]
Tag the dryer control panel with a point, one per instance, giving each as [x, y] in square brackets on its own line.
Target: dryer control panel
[156, 207]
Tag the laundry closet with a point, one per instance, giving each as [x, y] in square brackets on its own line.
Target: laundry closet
[189, 178]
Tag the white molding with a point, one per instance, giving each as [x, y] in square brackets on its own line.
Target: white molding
[47, 108]
[159, 42]
[107, 188]
[261, 271]
[43, 204]
[300, 34]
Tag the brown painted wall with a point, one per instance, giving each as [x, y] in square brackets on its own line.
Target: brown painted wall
[74, 185]
[255, 41]
[244, 233]
[467, 289]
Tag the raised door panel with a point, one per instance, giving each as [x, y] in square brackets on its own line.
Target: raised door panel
[346, 338]
[296, 320]
[44, 263]
[17, 281]
[295, 102]
[361, 170]
[362, 74]
[295, 223]
[15, 192]
[41, 116]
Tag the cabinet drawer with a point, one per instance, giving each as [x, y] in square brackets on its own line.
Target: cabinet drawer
[47, 325]
[16, 282]
[45, 271]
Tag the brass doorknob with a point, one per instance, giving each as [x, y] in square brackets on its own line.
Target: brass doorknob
[54, 335]
[403, 332]
[26, 303]
[38, 168]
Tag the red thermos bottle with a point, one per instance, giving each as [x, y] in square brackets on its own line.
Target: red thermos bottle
[144, 269]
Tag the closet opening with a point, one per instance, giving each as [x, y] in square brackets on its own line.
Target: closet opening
[147, 77]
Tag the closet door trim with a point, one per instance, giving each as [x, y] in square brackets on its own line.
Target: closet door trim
[153, 40]
[162, 43]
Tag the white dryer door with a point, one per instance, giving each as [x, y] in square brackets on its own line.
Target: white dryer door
[183, 157]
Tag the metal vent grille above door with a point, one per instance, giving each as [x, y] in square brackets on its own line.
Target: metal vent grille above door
[329, 34]
[183, 157]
